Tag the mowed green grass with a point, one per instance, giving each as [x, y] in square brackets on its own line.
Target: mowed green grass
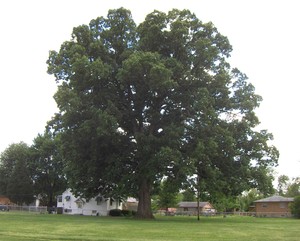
[26, 226]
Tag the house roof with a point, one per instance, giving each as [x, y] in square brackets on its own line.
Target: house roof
[192, 204]
[79, 200]
[5, 200]
[275, 199]
[131, 200]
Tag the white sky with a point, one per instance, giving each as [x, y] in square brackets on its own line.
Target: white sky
[265, 36]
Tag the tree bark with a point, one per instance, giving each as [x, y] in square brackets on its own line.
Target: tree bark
[144, 206]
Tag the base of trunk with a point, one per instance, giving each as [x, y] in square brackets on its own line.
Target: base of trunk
[144, 206]
[148, 216]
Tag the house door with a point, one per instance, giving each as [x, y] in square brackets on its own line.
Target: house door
[79, 204]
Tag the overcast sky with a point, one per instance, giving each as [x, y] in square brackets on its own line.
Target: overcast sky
[265, 36]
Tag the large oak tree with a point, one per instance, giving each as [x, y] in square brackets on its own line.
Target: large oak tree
[142, 103]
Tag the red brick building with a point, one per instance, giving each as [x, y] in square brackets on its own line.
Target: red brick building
[275, 206]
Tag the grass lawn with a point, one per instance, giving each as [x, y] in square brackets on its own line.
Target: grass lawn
[27, 226]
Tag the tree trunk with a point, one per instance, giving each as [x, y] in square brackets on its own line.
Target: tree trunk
[144, 206]
[50, 200]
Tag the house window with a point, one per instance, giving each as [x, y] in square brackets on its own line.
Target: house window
[79, 204]
[68, 198]
[59, 198]
[264, 205]
[185, 209]
[99, 200]
[282, 205]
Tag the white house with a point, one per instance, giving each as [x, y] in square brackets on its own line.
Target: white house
[67, 203]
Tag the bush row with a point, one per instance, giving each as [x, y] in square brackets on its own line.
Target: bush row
[119, 213]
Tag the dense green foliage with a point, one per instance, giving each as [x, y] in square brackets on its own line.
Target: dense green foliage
[246, 200]
[141, 103]
[167, 197]
[16, 227]
[29, 172]
[295, 207]
[188, 195]
[293, 189]
[282, 185]
[47, 169]
[15, 180]
[288, 187]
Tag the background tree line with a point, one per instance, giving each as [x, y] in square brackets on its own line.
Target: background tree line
[32, 172]
[169, 198]
[37, 171]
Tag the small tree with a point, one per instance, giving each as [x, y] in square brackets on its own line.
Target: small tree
[47, 169]
[189, 195]
[15, 180]
[20, 186]
[283, 183]
[168, 195]
[248, 198]
[293, 189]
[295, 207]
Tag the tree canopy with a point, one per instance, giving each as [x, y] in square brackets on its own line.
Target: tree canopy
[295, 207]
[47, 169]
[33, 172]
[159, 100]
[288, 187]
[15, 181]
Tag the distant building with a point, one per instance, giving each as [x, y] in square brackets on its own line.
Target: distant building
[131, 204]
[192, 208]
[5, 201]
[275, 206]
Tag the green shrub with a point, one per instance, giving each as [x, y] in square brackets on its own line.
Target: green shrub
[126, 213]
[295, 207]
[115, 212]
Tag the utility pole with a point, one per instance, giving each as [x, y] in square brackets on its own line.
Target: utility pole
[198, 197]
